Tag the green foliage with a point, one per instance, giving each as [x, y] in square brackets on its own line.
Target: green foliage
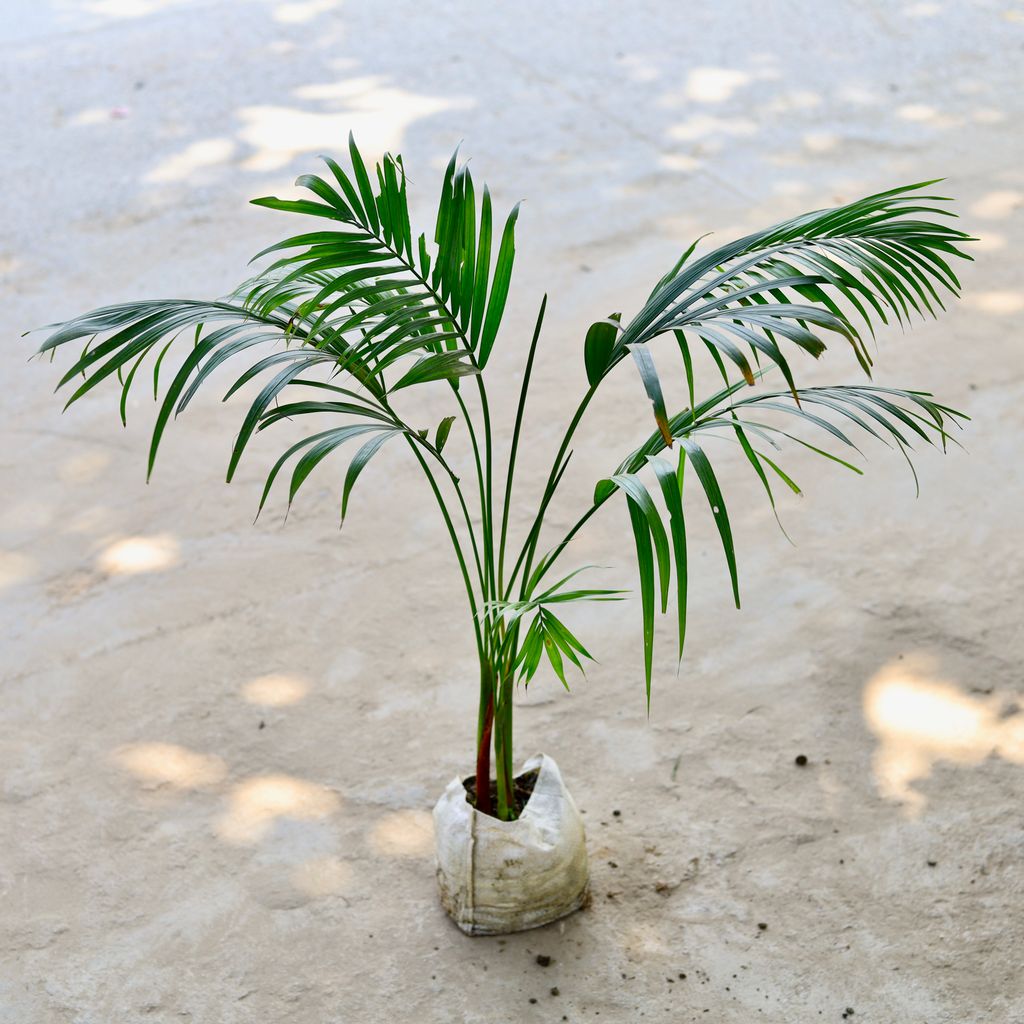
[344, 321]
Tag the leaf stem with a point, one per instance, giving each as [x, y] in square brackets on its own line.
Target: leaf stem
[455, 543]
[530, 546]
[515, 443]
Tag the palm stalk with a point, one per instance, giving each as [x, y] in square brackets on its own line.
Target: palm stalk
[344, 321]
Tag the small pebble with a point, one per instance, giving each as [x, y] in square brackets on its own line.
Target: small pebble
[554, 990]
[617, 814]
[543, 960]
[800, 760]
[932, 863]
[762, 925]
[532, 1000]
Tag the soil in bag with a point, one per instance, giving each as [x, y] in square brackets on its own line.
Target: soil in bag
[522, 787]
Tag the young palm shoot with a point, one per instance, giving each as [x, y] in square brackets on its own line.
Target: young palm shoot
[346, 319]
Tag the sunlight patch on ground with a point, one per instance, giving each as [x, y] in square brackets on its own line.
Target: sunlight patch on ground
[920, 720]
[1000, 303]
[255, 804]
[90, 116]
[275, 690]
[704, 126]
[193, 158]
[167, 764]
[404, 834]
[989, 241]
[714, 85]
[986, 115]
[679, 162]
[998, 204]
[917, 112]
[377, 114]
[131, 8]
[303, 12]
[139, 554]
[821, 142]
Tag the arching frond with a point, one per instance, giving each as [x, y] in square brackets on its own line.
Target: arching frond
[894, 417]
[358, 301]
[371, 280]
[835, 272]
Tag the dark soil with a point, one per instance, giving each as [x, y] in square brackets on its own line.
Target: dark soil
[522, 787]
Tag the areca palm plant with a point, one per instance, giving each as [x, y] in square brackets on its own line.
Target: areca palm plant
[342, 322]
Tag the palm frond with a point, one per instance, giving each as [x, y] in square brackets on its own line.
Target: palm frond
[546, 633]
[835, 271]
[371, 279]
[896, 418]
[359, 300]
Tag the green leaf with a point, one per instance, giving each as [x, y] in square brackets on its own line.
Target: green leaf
[356, 466]
[319, 451]
[645, 563]
[499, 287]
[443, 430]
[299, 206]
[483, 269]
[603, 490]
[755, 461]
[684, 349]
[706, 475]
[317, 185]
[278, 465]
[639, 495]
[672, 493]
[351, 195]
[256, 410]
[533, 648]
[652, 385]
[443, 366]
[598, 347]
[554, 655]
[363, 181]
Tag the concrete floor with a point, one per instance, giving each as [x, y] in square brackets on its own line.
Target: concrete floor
[219, 743]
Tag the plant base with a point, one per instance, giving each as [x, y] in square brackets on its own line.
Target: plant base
[497, 876]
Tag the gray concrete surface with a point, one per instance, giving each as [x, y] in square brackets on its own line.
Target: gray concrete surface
[219, 742]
